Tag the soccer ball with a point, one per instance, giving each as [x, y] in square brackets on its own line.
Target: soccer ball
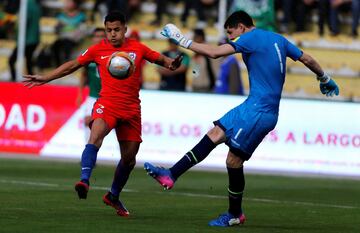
[120, 65]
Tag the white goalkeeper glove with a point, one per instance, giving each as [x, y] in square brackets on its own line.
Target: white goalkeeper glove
[174, 34]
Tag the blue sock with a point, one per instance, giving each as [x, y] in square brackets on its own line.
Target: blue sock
[121, 176]
[88, 160]
[195, 156]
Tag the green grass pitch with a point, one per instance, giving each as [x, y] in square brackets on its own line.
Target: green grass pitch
[38, 196]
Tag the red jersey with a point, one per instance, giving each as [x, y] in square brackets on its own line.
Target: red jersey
[122, 95]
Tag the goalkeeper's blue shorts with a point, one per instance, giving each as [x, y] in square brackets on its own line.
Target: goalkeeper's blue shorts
[246, 128]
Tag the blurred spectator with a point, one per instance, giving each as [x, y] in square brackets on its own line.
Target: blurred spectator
[11, 6]
[229, 75]
[99, 7]
[304, 8]
[133, 34]
[174, 80]
[8, 18]
[71, 29]
[120, 5]
[355, 9]
[301, 11]
[262, 11]
[203, 68]
[284, 7]
[344, 5]
[7, 22]
[133, 8]
[44, 59]
[200, 7]
[32, 37]
[161, 9]
[90, 77]
[128, 7]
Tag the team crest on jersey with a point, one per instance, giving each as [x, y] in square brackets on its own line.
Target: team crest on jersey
[132, 55]
[99, 111]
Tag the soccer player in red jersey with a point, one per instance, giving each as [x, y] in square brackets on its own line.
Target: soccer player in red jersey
[117, 107]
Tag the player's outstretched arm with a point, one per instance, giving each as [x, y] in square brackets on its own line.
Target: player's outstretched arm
[169, 63]
[328, 86]
[173, 33]
[61, 71]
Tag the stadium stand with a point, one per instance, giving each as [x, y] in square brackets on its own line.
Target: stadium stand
[339, 55]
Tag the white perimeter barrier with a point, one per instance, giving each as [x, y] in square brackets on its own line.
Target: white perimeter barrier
[315, 137]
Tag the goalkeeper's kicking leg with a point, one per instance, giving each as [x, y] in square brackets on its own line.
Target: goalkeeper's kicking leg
[234, 163]
[167, 177]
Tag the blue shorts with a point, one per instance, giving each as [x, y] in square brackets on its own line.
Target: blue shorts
[246, 128]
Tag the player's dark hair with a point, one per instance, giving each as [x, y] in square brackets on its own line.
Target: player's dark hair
[115, 16]
[238, 17]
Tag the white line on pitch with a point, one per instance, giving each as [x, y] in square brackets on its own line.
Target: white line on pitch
[29, 183]
[264, 200]
[107, 189]
[41, 184]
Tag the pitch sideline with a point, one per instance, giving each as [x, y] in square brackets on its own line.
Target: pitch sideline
[263, 200]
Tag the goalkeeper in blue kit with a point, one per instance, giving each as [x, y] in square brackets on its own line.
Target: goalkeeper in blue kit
[244, 127]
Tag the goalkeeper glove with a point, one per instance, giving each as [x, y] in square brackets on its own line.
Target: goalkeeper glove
[328, 86]
[174, 34]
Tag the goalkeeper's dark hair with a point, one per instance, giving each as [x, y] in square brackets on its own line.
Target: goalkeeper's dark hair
[115, 16]
[238, 17]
